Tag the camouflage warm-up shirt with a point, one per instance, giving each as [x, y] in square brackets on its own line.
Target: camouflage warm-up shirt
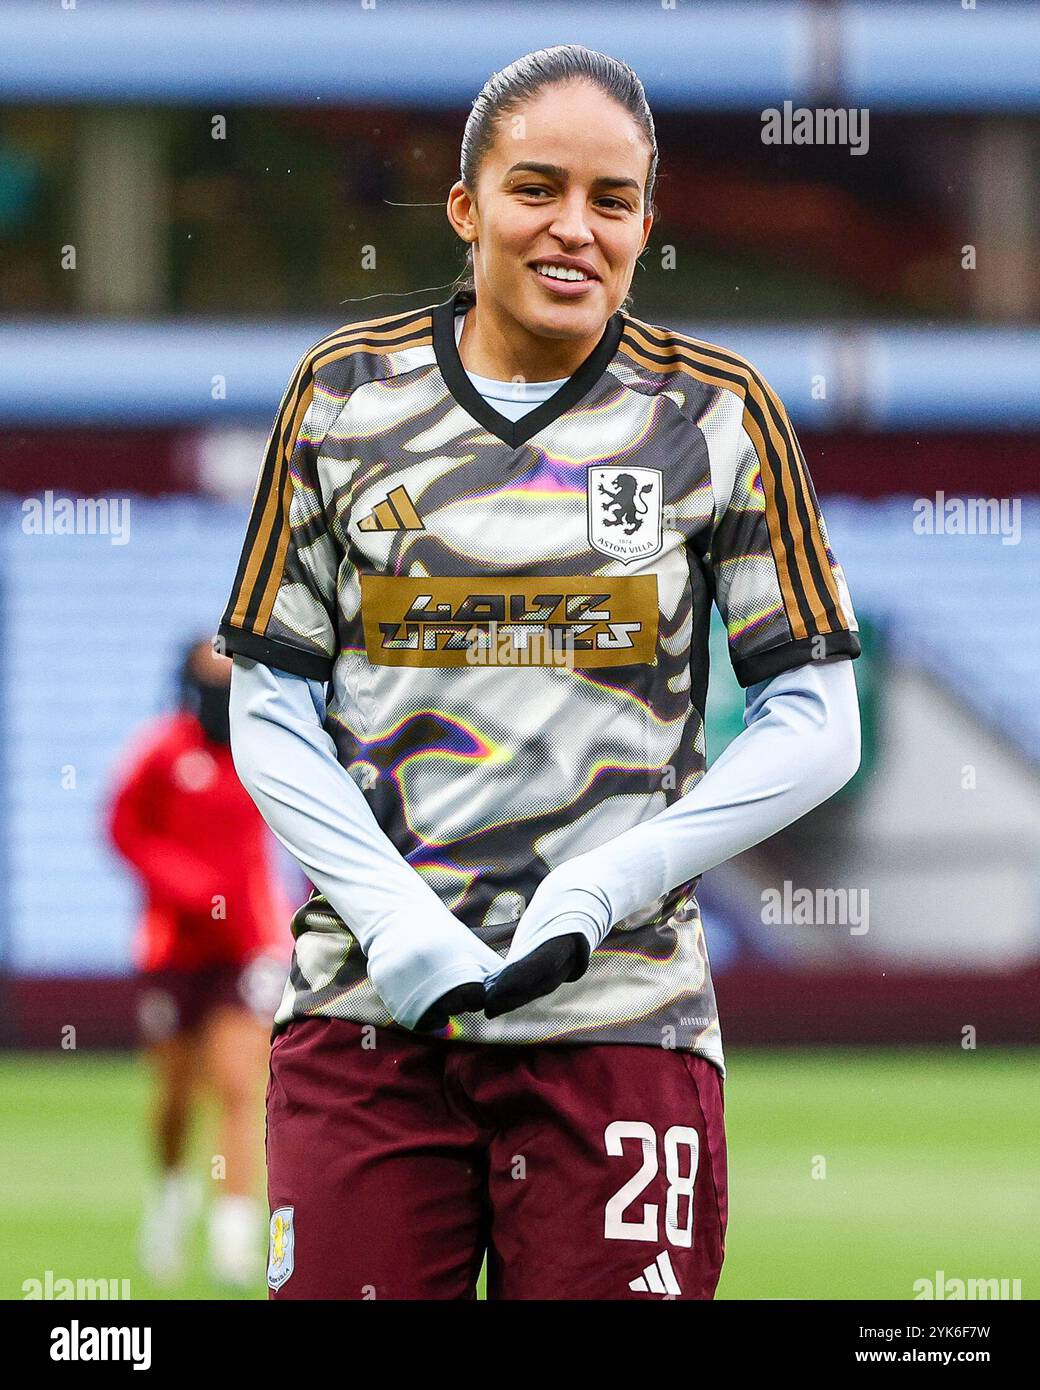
[513, 617]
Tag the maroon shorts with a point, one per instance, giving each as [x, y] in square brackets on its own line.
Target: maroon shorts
[170, 1002]
[585, 1172]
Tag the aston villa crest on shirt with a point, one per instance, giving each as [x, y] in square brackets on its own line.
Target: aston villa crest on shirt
[625, 511]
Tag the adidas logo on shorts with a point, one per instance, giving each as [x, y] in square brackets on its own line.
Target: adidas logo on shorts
[658, 1277]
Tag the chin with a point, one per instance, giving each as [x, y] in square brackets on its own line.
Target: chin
[562, 320]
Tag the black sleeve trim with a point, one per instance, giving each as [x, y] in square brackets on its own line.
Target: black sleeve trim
[282, 656]
[763, 666]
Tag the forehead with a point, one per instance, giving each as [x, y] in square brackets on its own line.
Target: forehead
[576, 126]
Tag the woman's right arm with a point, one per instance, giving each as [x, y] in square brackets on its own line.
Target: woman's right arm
[417, 950]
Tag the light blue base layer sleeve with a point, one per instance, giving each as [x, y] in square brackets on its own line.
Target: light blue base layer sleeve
[416, 949]
[800, 744]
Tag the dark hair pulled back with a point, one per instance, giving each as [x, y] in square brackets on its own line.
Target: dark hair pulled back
[525, 78]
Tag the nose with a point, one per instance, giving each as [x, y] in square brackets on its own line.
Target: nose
[570, 223]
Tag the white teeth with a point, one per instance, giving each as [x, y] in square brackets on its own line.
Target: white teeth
[559, 272]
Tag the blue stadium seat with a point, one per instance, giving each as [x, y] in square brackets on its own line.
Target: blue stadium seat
[91, 633]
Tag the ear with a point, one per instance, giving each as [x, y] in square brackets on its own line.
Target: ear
[461, 210]
[648, 223]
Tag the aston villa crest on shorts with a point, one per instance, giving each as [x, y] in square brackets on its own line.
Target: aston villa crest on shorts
[624, 507]
[281, 1258]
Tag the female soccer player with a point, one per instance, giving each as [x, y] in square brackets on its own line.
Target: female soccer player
[208, 956]
[469, 629]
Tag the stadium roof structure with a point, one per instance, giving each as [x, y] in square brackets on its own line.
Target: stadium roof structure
[924, 55]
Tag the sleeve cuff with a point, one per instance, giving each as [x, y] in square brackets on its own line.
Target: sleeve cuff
[282, 656]
[763, 666]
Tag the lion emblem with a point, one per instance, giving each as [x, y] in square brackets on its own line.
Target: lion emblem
[282, 1258]
[626, 503]
[278, 1240]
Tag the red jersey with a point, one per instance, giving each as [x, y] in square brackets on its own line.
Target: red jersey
[185, 822]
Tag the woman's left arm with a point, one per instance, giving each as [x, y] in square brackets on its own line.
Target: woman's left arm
[782, 596]
[801, 744]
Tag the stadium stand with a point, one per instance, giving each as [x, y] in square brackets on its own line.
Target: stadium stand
[92, 631]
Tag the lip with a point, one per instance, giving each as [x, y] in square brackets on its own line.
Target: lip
[567, 289]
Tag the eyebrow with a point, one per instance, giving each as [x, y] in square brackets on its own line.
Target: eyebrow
[553, 171]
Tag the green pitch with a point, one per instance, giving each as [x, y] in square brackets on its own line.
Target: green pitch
[852, 1174]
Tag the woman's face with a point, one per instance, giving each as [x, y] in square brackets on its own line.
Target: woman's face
[563, 180]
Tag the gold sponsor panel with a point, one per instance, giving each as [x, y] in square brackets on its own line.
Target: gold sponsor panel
[540, 620]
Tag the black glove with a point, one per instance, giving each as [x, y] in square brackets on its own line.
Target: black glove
[556, 962]
[463, 999]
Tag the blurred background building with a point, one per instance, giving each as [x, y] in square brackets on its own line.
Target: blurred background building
[191, 194]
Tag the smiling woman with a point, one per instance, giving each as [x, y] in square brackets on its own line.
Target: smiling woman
[555, 199]
[470, 636]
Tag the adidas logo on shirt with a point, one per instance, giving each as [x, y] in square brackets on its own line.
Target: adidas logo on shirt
[397, 513]
[658, 1277]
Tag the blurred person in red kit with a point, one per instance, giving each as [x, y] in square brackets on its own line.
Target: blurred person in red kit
[211, 962]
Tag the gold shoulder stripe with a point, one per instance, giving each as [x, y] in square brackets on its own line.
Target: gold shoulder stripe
[737, 379]
[803, 569]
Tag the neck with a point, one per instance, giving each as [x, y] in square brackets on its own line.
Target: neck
[494, 344]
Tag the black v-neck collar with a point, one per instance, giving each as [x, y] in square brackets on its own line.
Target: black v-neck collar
[515, 432]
